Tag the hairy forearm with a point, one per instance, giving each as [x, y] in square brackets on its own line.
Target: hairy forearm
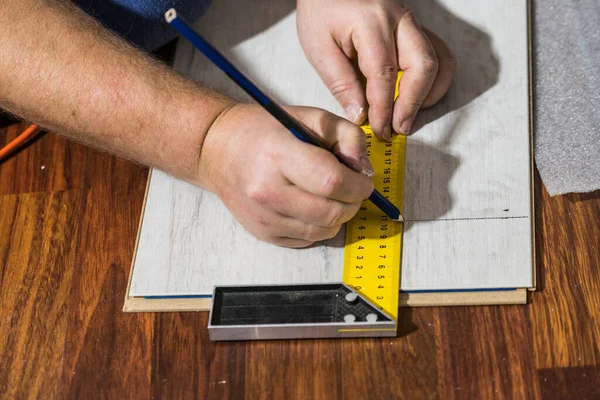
[62, 70]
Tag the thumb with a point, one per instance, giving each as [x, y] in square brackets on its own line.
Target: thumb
[342, 80]
[345, 139]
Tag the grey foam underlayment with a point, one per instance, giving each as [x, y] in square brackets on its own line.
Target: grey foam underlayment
[566, 56]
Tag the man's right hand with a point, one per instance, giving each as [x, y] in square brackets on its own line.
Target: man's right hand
[280, 189]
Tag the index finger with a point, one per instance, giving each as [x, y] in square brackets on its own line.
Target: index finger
[318, 171]
[378, 62]
[417, 57]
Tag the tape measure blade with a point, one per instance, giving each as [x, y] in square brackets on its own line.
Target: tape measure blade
[373, 241]
[373, 250]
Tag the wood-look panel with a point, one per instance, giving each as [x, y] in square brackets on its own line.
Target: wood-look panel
[469, 160]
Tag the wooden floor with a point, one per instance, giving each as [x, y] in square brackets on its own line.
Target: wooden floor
[68, 221]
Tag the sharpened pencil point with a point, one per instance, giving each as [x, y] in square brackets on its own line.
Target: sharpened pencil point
[400, 218]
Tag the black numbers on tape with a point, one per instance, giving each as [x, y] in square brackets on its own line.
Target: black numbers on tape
[359, 267]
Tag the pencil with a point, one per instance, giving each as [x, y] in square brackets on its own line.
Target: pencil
[295, 127]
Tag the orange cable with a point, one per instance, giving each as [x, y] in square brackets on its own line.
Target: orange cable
[18, 141]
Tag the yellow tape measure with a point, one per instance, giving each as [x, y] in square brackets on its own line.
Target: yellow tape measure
[374, 241]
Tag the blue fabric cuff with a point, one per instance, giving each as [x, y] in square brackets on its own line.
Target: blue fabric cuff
[141, 21]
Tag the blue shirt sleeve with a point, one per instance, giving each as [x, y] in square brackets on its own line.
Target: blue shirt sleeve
[141, 21]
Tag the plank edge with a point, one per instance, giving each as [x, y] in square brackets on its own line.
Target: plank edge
[501, 297]
[137, 238]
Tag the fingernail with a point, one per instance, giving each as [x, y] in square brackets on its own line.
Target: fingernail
[406, 125]
[366, 168]
[387, 133]
[356, 113]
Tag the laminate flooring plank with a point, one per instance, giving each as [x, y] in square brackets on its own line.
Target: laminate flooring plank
[469, 160]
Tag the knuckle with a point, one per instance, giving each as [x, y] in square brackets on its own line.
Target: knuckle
[335, 216]
[385, 71]
[263, 223]
[311, 233]
[331, 233]
[341, 86]
[380, 11]
[260, 194]
[333, 182]
[413, 103]
[316, 233]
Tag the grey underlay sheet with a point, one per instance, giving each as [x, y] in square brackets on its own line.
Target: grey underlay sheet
[566, 55]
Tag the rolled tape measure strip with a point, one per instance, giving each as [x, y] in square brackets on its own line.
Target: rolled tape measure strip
[373, 249]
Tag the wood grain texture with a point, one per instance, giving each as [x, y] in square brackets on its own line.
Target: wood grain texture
[467, 181]
[39, 234]
[31, 170]
[102, 259]
[62, 334]
[569, 256]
